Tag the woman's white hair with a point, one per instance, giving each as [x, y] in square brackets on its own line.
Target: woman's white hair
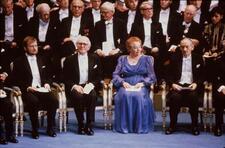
[108, 6]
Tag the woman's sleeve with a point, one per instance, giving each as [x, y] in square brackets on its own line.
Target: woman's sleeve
[150, 77]
[117, 79]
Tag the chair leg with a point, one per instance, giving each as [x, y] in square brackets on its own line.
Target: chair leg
[164, 118]
[16, 124]
[60, 116]
[65, 120]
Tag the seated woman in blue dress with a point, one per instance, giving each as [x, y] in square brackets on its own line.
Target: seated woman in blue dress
[132, 78]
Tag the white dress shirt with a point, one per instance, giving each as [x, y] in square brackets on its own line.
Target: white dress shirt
[63, 14]
[30, 12]
[183, 4]
[147, 29]
[43, 28]
[9, 23]
[213, 4]
[83, 68]
[186, 73]
[96, 15]
[109, 33]
[130, 20]
[197, 16]
[75, 28]
[164, 19]
[32, 60]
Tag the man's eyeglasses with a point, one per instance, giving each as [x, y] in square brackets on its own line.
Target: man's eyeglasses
[146, 8]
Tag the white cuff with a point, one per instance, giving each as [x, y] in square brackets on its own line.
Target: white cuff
[221, 88]
[73, 87]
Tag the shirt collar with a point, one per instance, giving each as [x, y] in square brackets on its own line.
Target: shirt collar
[31, 57]
[83, 56]
[42, 23]
[187, 58]
[131, 12]
[109, 22]
[186, 24]
[77, 18]
[30, 8]
[95, 11]
[147, 21]
[165, 11]
[63, 11]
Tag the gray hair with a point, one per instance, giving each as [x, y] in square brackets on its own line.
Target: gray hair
[42, 6]
[108, 6]
[84, 39]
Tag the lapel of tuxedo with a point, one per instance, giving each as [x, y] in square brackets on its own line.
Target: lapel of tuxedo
[115, 31]
[180, 62]
[40, 64]
[69, 25]
[76, 67]
[103, 32]
[27, 66]
[90, 66]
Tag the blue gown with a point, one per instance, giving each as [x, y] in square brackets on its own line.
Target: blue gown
[134, 112]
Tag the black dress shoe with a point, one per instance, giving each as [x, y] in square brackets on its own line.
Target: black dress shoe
[89, 131]
[169, 131]
[35, 134]
[51, 133]
[81, 131]
[218, 131]
[12, 139]
[3, 141]
[195, 131]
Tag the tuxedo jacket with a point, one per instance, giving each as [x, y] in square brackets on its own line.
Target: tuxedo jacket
[193, 32]
[173, 17]
[71, 71]
[119, 34]
[33, 30]
[66, 24]
[54, 16]
[20, 20]
[124, 16]
[21, 74]
[219, 73]
[157, 39]
[175, 70]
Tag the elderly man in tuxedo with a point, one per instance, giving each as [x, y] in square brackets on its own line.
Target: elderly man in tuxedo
[44, 29]
[73, 26]
[32, 74]
[185, 79]
[109, 38]
[187, 27]
[82, 75]
[6, 110]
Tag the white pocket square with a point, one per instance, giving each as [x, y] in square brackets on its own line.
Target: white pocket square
[198, 65]
[20, 25]
[3, 50]
[43, 66]
[0, 67]
[95, 66]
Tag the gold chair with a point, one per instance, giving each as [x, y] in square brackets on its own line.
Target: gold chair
[203, 105]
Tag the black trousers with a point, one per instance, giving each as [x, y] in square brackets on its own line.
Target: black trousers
[219, 103]
[183, 98]
[84, 102]
[36, 101]
[6, 110]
